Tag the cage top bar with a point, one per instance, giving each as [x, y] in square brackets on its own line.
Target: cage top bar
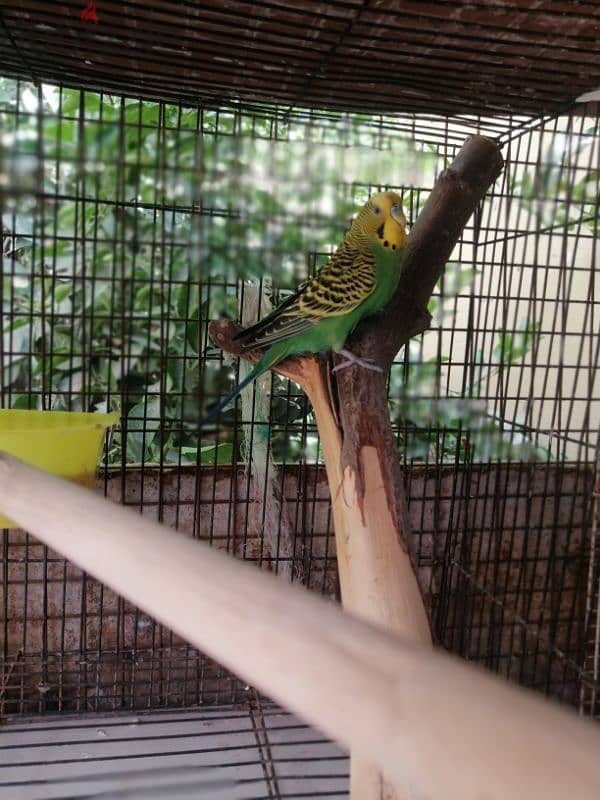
[347, 55]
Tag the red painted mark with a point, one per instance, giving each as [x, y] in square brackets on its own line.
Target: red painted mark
[89, 13]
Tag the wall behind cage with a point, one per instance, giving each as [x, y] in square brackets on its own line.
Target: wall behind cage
[505, 584]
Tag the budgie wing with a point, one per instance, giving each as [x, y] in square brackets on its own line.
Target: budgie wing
[337, 289]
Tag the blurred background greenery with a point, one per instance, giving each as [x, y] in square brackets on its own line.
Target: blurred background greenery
[128, 225]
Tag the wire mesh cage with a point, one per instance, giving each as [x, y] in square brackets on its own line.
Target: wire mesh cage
[223, 753]
[129, 223]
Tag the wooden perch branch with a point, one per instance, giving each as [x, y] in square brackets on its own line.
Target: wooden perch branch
[363, 399]
[454, 198]
[438, 725]
[365, 480]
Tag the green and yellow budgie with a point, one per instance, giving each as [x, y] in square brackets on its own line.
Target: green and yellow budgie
[358, 280]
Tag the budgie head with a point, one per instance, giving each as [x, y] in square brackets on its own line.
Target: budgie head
[380, 223]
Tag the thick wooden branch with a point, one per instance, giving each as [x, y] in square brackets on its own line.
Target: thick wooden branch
[363, 468]
[363, 398]
[454, 198]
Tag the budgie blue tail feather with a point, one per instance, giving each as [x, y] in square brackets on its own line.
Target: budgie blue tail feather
[274, 355]
[214, 412]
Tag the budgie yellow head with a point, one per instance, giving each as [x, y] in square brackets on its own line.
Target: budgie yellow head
[380, 221]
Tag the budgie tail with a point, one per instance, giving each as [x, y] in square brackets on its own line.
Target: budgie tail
[214, 412]
[269, 359]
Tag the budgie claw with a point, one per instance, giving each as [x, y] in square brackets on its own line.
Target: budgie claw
[352, 359]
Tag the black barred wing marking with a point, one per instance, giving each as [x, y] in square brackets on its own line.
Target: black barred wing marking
[337, 289]
[340, 287]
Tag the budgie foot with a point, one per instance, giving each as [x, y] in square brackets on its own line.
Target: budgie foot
[352, 359]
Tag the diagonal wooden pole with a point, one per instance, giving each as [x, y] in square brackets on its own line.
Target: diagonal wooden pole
[432, 722]
[378, 582]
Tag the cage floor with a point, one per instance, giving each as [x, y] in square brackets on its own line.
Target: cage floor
[222, 752]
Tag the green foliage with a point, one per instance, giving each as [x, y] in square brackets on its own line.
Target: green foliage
[126, 228]
[563, 189]
[458, 426]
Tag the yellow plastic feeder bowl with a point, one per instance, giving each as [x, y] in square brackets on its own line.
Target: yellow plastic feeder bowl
[65, 443]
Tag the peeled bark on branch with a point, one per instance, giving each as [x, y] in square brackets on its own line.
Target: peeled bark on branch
[372, 531]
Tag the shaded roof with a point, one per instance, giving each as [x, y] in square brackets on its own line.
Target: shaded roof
[485, 57]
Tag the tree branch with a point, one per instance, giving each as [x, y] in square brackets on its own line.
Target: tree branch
[372, 531]
[363, 408]
[454, 198]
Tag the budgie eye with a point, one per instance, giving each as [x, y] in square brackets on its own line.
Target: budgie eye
[376, 210]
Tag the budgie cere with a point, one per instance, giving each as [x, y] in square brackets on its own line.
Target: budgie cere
[358, 280]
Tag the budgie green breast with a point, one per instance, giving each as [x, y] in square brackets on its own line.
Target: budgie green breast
[358, 280]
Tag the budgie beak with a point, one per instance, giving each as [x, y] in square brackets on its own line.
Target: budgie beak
[398, 215]
[394, 230]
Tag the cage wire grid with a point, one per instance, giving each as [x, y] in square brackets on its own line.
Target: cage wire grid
[128, 224]
[252, 752]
